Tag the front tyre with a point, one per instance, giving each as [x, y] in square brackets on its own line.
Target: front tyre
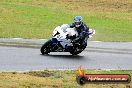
[45, 49]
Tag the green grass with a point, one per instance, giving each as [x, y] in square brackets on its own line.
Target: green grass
[36, 19]
[55, 79]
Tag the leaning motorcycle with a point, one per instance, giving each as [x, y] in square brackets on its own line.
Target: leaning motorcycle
[63, 40]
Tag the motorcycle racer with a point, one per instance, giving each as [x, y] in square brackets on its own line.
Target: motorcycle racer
[82, 30]
[70, 38]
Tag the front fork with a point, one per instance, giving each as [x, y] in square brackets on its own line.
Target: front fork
[55, 44]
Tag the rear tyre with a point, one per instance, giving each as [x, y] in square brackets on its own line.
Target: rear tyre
[45, 49]
[75, 51]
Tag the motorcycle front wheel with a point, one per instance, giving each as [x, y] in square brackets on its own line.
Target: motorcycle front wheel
[45, 49]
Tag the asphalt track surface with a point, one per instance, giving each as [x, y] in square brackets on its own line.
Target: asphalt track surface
[27, 59]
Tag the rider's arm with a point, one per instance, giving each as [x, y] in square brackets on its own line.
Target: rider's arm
[84, 33]
[72, 25]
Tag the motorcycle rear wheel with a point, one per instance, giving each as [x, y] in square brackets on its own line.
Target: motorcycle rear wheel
[75, 52]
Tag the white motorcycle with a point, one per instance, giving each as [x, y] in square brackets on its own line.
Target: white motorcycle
[63, 41]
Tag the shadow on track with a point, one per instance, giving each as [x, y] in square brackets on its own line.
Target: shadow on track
[64, 56]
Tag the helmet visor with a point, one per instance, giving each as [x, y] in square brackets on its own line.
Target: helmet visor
[77, 24]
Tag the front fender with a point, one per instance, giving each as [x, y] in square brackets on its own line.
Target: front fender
[54, 40]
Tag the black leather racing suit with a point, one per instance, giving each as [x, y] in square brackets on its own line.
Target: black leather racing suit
[82, 33]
